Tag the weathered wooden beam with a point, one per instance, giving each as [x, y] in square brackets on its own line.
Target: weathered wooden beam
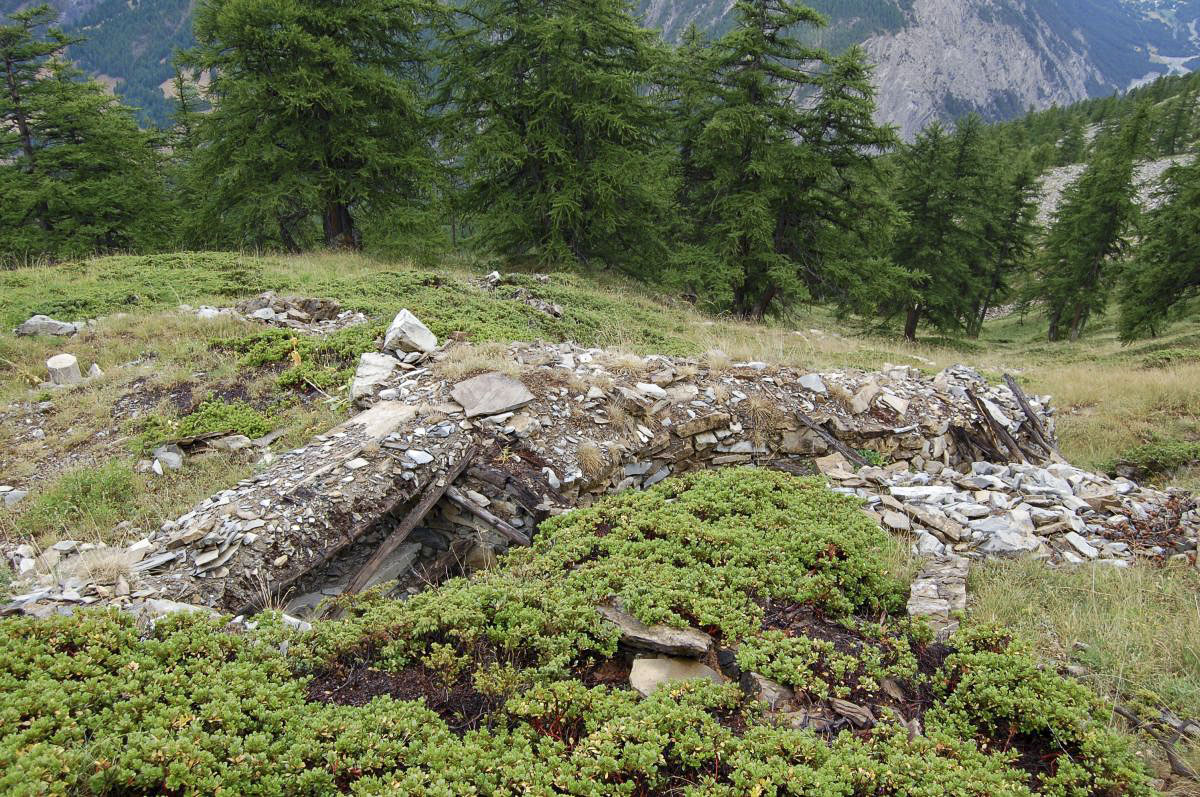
[487, 517]
[832, 441]
[433, 493]
[1037, 431]
[997, 432]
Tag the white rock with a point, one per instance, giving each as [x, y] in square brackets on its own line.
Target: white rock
[170, 457]
[95, 372]
[373, 370]
[408, 334]
[420, 457]
[654, 391]
[1080, 544]
[64, 369]
[263, 314]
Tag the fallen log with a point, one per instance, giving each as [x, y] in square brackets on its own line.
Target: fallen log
[487, 517]
[998, 433]
[433, 494]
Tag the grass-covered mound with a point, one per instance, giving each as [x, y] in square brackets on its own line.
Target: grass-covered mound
[510, 683]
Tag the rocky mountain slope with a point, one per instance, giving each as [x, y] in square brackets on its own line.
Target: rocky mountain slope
[937, 58]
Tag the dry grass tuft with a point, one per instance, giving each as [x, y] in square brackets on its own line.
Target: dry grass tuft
[104, 566]
[593, 461]
[686, 371]
[620, 415]
[766, 418]
[625, 364]
[716, 361]
[465, 360]
[721, 392]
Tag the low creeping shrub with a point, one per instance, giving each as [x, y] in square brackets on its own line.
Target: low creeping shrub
[92, 705]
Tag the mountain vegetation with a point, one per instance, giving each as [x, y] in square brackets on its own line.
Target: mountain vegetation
[744, 171]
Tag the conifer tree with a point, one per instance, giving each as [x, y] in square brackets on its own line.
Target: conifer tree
[1089, 231]
[319, 113]
[77, 174]
[1165, 268]
[778, 178]
[560, 129]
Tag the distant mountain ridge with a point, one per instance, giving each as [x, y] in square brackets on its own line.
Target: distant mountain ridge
[937, 59]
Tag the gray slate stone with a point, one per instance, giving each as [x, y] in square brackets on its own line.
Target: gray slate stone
[170, 456]
[373, 370]
[658, 638]
[491, 394]
[13, 497]
[813, 383]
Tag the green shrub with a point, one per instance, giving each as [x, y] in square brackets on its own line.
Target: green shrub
[92, 705]
[1169, 358]
[1158, 458]
[321, 362]
[213, 416]
[96, 497]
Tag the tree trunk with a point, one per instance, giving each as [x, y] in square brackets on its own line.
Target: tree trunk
[1077, 322]
[286, 237]
[19, 113]
[764, 301]
[340, 232]
[910, 323]
[1055, 317]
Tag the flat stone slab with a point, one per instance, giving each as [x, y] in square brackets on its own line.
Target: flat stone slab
[648, 675]
[491, 394]
[658, 638]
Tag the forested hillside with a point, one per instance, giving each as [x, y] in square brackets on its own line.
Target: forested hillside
[691, 167]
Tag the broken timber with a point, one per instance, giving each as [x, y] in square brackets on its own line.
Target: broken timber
[487, 517]
[1037, 432]
[432, 495]
[833, 442]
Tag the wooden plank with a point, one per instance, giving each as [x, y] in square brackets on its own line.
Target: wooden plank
[998, 433]
[487, 517]
[1040, 436]
[433, 494]
[833, 442]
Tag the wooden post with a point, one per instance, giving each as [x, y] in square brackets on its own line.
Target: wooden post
[833, 442]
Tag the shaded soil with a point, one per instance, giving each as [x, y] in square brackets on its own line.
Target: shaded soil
[458, 703]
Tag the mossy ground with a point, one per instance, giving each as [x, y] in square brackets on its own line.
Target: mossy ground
[92, 707]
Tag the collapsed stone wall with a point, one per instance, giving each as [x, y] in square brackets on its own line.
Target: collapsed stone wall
[546, 428]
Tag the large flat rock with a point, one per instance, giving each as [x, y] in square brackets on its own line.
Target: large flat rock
[491, 394]
[657, 638]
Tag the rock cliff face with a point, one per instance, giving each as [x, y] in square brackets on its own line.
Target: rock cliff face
[939, 59]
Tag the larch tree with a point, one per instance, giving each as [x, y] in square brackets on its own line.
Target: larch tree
[319, 113]
[77, 174]
[1165, 268]
[1078, 266]
[559, 129]
[778, 172]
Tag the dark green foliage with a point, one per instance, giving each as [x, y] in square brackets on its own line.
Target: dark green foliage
[1165, 268]
[969, 204]
[213, 417]
[781, 197]
[1168, 358]
[1158, 458]
[319, 114]
[1077, 269]
[92, 704]
[77, 175]
[551, 103]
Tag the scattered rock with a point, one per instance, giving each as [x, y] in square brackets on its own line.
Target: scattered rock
[13, 497]
[170, 457]
[45, 325]
[657, 638]
[373, 370]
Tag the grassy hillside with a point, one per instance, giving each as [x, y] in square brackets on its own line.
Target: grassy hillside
[167, 370]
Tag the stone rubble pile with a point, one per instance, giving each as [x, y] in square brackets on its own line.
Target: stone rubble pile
[547, 428]
[1056, 512]
[306, 315]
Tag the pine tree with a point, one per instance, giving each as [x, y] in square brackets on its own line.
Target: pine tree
[778, 178]
[319, 113]
[76, 173]
[1165, 268]
[560, 129]
[1089, 232]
